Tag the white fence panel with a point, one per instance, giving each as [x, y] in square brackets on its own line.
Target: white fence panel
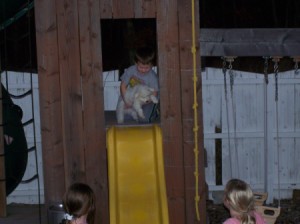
[111, 85]
[241, 113]
[286, 112]
[247, 122]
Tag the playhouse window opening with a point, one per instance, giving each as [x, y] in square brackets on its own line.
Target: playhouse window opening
[120, 40]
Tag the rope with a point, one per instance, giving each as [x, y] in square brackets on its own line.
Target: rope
[277, 142]
[266, 81]
[296, 60]
[227, 114]
[276, 60]
[231, 75]
[195, 106]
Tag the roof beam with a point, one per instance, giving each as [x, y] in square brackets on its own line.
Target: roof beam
[250, 42]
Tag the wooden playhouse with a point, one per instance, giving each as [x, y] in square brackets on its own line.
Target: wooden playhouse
[73, 123]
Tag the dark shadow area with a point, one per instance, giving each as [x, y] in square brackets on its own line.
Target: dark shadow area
[250, 64]
[120, 38]
[249, 14]
[18, 44]
[25, 214]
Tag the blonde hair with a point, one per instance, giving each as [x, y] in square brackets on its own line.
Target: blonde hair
[240, 199]
[79, 200]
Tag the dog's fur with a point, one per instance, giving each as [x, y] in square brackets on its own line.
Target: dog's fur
[136, 96]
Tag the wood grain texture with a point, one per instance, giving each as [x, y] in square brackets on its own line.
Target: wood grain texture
[123, 9]
[71, 91]
[188, 99]
[50, 100]
[171, 119]
[70, 62]
[93, 105]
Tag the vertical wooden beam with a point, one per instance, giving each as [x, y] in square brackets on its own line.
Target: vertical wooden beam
[2, 163]
[171, 120]
[93, 105]
[50, 100]
[187, 97]
[71, 90]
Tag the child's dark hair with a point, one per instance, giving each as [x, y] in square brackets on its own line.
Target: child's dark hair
[144, 55]
[79, 200]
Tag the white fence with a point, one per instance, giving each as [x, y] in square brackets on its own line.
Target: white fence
[111, 85]
[250, 121]
[247, 124]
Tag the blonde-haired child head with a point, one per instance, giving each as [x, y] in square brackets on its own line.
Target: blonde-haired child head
[239, 199]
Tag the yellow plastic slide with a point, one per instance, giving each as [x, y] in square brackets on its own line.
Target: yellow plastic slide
[137, 190]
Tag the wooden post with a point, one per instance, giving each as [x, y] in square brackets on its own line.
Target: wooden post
[2, 165]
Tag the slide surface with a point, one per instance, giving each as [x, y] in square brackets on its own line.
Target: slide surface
[137, 190]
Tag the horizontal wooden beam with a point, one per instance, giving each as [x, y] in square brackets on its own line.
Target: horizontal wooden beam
[249, 42]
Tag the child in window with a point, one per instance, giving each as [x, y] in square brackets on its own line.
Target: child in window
[239, 200]
[79, 204]
[141, 73]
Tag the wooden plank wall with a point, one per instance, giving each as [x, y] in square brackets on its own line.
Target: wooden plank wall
[171, 117]
[71, 97]
[187, 100]
[71, 102]
[50, 100]
[93, 104]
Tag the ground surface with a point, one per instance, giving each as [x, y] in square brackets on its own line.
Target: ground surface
[217, 214]
[290, 212]
[24, 214]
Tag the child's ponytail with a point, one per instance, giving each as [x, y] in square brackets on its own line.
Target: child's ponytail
[247, 218]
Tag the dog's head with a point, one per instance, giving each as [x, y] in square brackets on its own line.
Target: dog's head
[145, 95]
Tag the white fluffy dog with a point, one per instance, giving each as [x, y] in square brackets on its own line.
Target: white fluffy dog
[136, 96]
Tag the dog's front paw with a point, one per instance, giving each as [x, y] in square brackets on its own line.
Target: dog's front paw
[134, 115]
[120, 117]
[120, 121]
[141, 114]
